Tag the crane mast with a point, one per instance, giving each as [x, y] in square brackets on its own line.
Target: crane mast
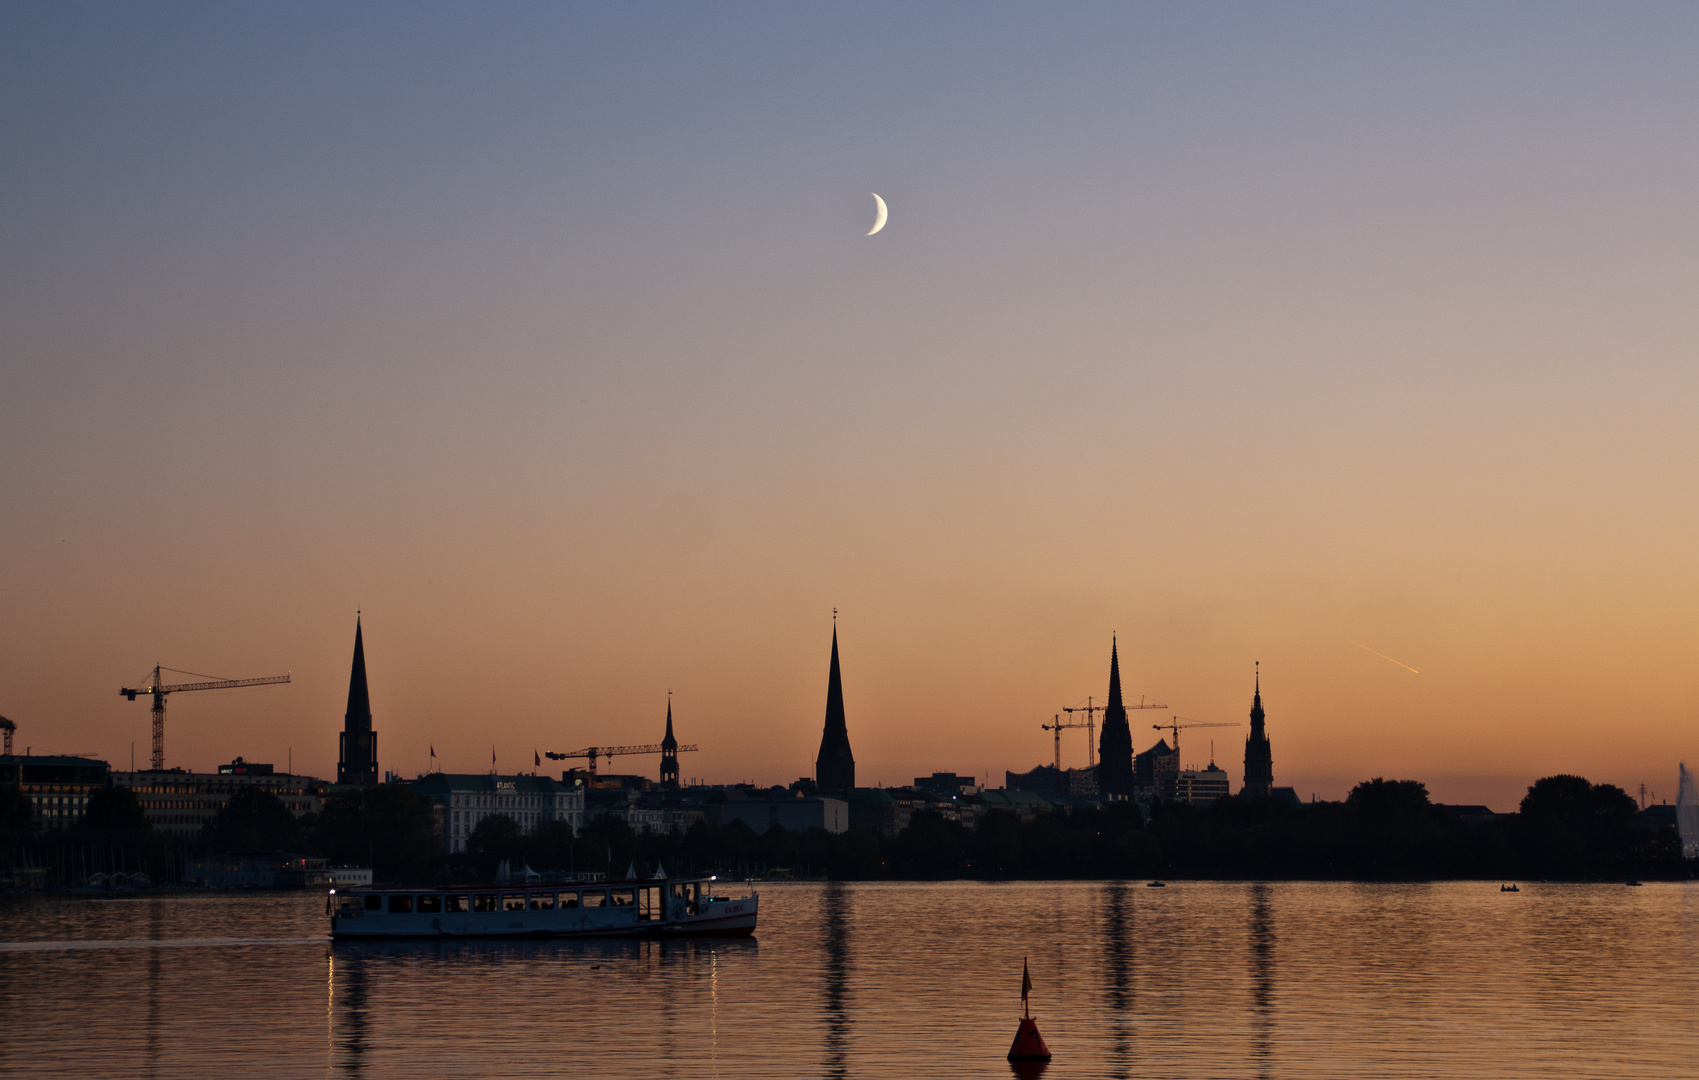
[158, 690]
[1176, 727]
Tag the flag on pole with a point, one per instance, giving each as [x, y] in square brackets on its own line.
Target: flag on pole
[433, 751]
[536, 759]
[1026, 982]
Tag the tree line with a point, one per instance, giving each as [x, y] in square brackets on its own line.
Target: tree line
[1566, 829]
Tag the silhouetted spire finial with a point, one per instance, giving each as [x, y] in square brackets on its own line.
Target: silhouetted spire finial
[834, 766]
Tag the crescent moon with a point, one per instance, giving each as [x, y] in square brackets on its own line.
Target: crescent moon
[880, 211]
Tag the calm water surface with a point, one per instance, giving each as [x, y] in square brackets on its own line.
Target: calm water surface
[1195, 980]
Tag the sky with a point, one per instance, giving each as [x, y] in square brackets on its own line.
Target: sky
[549, 338]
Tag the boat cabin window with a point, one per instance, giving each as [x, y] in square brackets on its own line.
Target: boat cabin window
[623, 897]
[400, 905]
[691, 893]
[542, 901]
[568, 900]
[649, 903]
[595, 897]
[484, 902]
[374, 903]
[457, 903]
[513, 902]
[430, 905]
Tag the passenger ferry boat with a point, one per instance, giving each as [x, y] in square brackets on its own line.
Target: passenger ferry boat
[670, 907]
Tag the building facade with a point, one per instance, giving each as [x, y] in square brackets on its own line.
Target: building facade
[795, 815]
[56, 785]
[1198, 785]
[461, 800]
[1153, 769]
[179, 803]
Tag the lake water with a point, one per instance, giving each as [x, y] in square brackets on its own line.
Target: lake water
[1200, 979]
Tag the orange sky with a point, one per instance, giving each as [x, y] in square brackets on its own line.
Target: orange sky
[557, 347]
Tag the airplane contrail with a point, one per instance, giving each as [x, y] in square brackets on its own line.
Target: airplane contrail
[1383, 656]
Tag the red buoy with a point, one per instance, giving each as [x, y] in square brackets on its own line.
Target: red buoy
[1028, 1044]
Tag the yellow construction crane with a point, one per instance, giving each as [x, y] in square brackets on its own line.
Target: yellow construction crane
[1176, 726]
[156, 686]
[593, 752]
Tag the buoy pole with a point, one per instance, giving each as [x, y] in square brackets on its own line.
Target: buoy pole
[1028, 1044]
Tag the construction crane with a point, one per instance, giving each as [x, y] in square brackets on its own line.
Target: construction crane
[593, 752]
[1057, 728]
[1090, 726]
[1176, 727]
[7, 727]
[156, 686]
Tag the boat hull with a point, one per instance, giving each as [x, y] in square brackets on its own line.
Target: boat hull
[390, 915]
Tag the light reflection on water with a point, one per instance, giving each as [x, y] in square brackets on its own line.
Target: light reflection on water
[1198, 979]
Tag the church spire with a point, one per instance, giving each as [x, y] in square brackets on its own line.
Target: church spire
[669, 750]
[358, 758]
[359, 711]
[1114, 677]
[1259, 756]
[1115, 744]
[835, 765]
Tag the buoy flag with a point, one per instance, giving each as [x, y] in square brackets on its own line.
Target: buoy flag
[1026, 981]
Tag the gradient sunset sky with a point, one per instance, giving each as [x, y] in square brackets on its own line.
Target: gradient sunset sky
[549, 337]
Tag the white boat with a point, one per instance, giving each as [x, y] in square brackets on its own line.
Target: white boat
[671, 907]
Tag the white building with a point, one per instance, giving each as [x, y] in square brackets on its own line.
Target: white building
[795, 815]
[461, 800]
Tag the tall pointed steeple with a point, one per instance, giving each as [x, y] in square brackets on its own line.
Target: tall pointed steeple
[835, 765]
[357, 761]
[669, 750]
[1259, 757]
[1115, 744]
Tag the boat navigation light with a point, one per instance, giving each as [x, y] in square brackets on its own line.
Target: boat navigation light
[713, 877]
[333, 892]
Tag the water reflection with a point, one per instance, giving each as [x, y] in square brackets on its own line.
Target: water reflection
[353, 1011]
[155, 962]
[1261, 959]
[882, 980]
[836, 945]
[1118, 973]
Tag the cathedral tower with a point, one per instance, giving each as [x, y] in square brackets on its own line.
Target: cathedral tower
[358, 760]
[1115, 744]
[835, 767]
[1259, 759]
[669, 750]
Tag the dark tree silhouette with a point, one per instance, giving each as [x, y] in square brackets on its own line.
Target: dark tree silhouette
[1573, 801]
[253, 820]
[388, 827]
[17, 817]
[495, 840]
[1380, 798]
[114, 818]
